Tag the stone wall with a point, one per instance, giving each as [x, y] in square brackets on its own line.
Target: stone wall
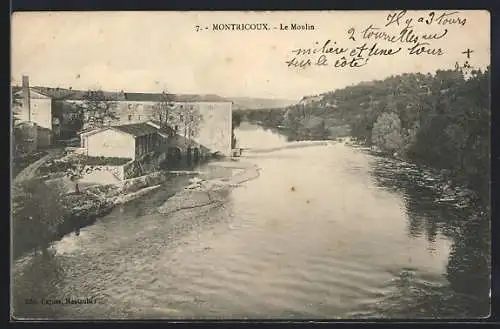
[117, 171]
[131, 170]
[146, 164]
[110, 143]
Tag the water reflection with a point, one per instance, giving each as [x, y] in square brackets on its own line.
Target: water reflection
[468, 269]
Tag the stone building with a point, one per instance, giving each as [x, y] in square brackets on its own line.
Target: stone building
[199, 119]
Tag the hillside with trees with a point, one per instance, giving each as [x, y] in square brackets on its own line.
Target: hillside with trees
[440, 119]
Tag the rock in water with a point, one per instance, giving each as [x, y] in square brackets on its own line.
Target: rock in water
[195, 180]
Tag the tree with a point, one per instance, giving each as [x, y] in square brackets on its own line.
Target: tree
[193, 119]
[386, 133]
[97, 110]
[185, 117]
[162, 110]
[38, 210]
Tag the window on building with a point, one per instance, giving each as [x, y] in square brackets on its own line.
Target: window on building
[139, 117]
[129, 117]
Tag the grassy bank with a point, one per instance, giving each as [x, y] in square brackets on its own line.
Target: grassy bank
[23, 161]
[43, 214]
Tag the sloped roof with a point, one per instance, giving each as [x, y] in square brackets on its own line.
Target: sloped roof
[143, 97]
[164, 129]
[34, 93]
[68, 94]
[89, 131]
[136, 129]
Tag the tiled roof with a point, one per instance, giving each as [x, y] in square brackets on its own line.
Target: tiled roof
[164, 129]
[143, 97]
[68, 94]
[137, 129]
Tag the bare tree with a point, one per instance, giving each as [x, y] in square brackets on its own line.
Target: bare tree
[186, 118]
[162, 111]
[193, 119]
[97, 110]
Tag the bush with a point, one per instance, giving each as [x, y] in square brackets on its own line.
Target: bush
[386, 133]
[38, 210]
[54, 166]
[24, 161]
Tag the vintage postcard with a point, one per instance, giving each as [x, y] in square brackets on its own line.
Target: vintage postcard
[250, 165]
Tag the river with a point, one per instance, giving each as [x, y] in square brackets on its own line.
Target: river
[326, 231]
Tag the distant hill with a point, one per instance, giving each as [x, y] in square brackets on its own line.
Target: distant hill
[249, 103]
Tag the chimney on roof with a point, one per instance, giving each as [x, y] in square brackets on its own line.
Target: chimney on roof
[26, 96]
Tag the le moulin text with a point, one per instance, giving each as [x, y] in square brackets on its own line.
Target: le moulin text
[261, 27]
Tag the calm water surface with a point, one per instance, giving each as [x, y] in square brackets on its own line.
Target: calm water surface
[325, 231]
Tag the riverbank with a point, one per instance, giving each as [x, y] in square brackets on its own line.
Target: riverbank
[96, 201]
[84, 208]
[452, 185]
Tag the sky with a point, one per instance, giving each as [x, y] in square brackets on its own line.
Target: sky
[155, 51]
